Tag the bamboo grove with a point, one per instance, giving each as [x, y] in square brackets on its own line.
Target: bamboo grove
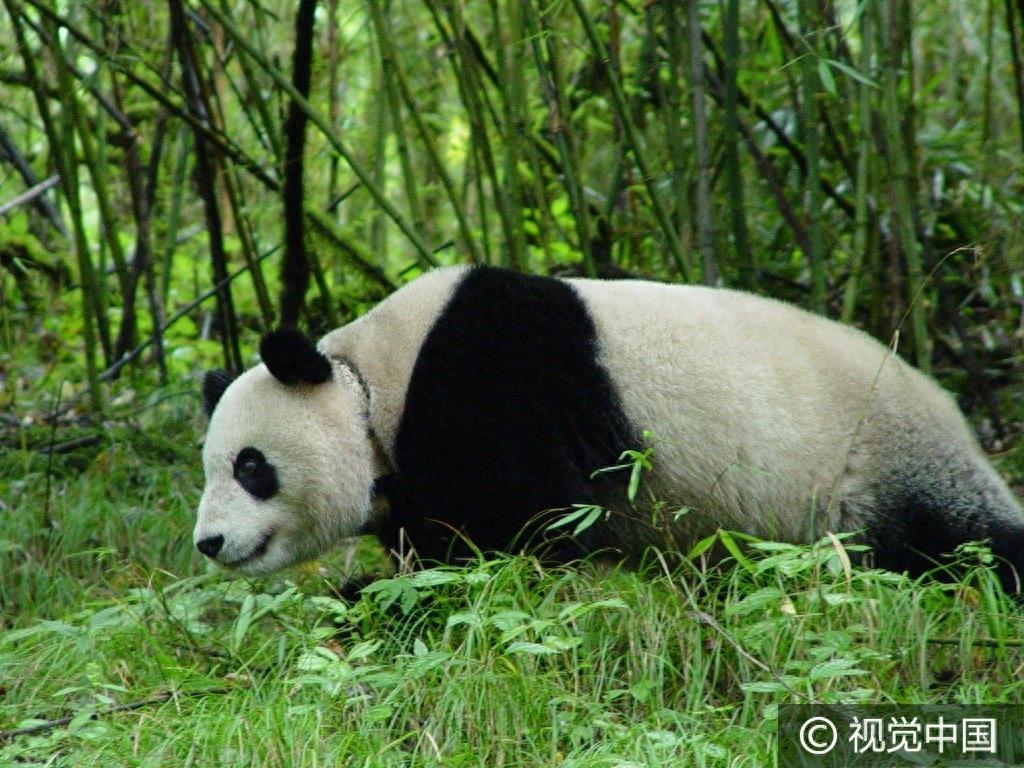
[862, 158]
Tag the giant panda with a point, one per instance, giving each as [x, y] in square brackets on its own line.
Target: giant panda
[475, 405]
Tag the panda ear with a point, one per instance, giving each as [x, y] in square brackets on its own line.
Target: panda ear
[292, 358]
[214, 384]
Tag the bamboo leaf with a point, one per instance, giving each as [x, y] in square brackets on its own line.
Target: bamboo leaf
[825, 74]
[734, 549]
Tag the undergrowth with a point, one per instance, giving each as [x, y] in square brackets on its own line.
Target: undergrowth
[121, 648]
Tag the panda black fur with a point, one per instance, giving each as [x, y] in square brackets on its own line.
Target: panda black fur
[477, 400]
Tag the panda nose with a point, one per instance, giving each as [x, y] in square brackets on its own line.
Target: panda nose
[210, 546]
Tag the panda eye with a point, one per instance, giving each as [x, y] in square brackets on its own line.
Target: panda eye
[255, 474]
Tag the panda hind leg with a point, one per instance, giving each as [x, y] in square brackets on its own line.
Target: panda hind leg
[923, 516]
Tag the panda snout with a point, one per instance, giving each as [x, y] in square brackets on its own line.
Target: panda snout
[210, 546]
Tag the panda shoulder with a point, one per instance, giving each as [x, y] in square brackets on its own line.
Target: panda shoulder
[403, 317]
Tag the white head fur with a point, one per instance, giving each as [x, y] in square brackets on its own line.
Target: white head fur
[306, 419]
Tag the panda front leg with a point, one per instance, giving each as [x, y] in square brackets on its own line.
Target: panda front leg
[411, 533]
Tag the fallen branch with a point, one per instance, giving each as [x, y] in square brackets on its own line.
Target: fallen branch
[58, 722]
[71, 445]
[981, 642]
[30, 195]
[9, 150]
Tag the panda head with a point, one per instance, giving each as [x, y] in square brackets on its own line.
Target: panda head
[288, 458]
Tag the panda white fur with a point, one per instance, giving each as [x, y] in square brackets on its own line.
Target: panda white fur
[478, 400]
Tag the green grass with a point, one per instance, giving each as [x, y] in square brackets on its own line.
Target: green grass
[104, 604]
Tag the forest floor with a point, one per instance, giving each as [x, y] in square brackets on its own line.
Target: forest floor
[120, 647]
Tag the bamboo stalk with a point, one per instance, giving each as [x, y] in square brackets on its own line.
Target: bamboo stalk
[507, 46]
[474, 99]
[30, 195]
[258, 119]
[362, 258]
[154, 298]
[69, 184]
[635, 144]
[797, 49]
[674, 137]
[472, 173]
[779, 133]
[112, 371]
[1018, 67]
[142, 265]
[395, 72]
[69, 131]
[705, 232]
[86, 82]
[233, 197]
[775, 188]
[862, 180]
[333, 59]
[205, 175]
[734, 178]
[986, 112]
[809, 90]
[768, 173]
[295, 262]
[246, 240]
[266, 128]
[97, 174]
[381, 132]
[410, 182]
[325, 129]
[476, 168]
[159, 93]
[173, 220]
[560, 127]
[901, 184]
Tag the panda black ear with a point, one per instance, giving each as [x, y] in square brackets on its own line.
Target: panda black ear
[214, 384]
[292, 358]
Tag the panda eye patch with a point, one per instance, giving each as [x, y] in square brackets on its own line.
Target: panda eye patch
[255, 474]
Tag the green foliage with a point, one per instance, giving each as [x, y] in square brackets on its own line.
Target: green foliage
[584, 515]
[107, 607]
[555, 137]
[510, 142]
